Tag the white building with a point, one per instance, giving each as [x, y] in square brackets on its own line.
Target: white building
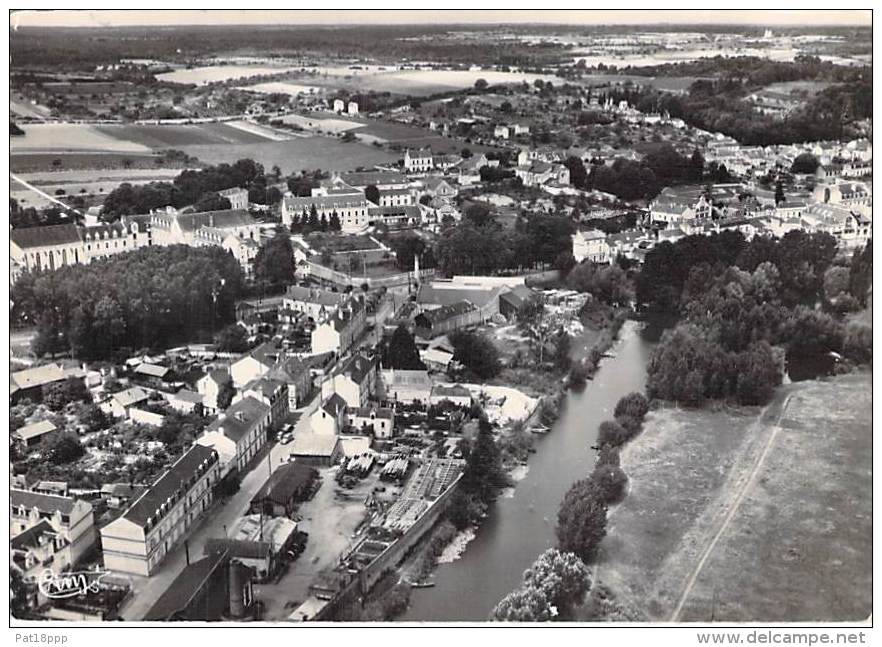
[315, 303]
[352, 108]
[72, 519]
[237, 196]
[163, 516]
[590, 245]
[355, 381]
[418, 161]
[352, 210]
[239, 433]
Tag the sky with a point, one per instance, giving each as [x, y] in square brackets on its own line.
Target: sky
[770, 18]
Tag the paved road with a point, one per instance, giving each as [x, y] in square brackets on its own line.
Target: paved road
[221, 517]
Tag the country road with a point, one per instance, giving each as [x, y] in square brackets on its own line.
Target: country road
[42, 193]
[733, 508]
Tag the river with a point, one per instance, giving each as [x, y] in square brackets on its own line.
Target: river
[520, 527]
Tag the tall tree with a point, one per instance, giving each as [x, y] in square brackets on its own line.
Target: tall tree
[401, 352]
[274, 262]
[581, 520]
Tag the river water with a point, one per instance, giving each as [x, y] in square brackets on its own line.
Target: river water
[520, 527]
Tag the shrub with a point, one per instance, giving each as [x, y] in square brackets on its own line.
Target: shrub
[608, 455]
[858, 342]
[578, 374]
[634, 404]
[610, 481]
[631, 425]
[611, 433]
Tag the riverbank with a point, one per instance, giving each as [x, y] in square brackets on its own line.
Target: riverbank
[520, 525]
[743, 506]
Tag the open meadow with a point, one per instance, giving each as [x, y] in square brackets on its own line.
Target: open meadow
[296, 154]
[164, 136]
[215, 73]
[71, 137]
[729, 509]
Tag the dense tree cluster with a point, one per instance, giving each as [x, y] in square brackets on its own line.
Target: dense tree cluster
[211, 202]
[718, 105]
[34, 47]
[553, 586]
[58, 395]
[476, 352]
[479, 245]
[409, 246]
[804, 163]
[608, 284]
[20, 217]
[400, 351]
[190, 187]
[482, 478]
[232, 339]
[740, 305]
[632, 180]
[152, 297]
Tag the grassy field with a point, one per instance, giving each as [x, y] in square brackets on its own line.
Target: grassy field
[296, 154]
[810, 88]
[215, 73]
[36, 162]
[178, 136]
[71, 137]
[746, 514]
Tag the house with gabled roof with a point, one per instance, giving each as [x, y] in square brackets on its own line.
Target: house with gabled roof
[439, 321]
[355, 380]
[120, 403]
[330, 417]
[34, 434]
[39, 548]
[239, 432]
[209, 386]
[315, 303]
[339, 333]
[73, 519]
[418, 160]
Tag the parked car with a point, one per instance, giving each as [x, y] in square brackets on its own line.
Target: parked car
[286, 438]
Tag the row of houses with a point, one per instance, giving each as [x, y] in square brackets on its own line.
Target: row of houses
[55, 246]
[852, 229]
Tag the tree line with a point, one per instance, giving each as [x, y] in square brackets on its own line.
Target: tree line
[191, 187]
[559, 581]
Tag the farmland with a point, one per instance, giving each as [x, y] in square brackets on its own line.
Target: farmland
[318, 123]
[281, 87]
[177, 136]
[83, 182]
[215, 73]
[71, 137]
[25, 162]
[296, 154]
[730, 509]
[416, 82]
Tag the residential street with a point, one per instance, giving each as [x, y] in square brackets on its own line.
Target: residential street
[147, 590]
